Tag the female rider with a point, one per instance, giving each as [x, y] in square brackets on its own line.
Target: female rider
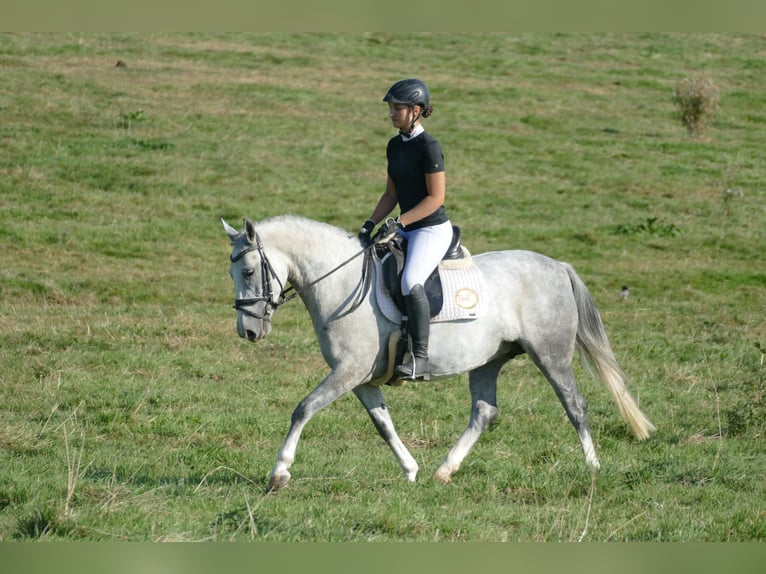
[416, 182]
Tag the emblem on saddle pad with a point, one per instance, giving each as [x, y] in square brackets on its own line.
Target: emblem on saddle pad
[454, 289]
[466, 298]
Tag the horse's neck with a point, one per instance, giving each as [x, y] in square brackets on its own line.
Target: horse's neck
[309, 251]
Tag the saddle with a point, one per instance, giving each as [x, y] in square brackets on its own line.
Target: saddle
[392, 256]
[453, 290]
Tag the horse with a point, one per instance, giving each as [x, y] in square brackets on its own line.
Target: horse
[536, 305]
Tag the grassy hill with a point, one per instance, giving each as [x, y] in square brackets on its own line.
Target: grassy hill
[129, 408]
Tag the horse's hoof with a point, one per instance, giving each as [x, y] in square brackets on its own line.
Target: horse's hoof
[277, 481]
[442, 476]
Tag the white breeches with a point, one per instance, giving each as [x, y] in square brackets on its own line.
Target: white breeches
[425, 248]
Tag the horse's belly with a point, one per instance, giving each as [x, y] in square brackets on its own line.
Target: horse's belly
[461, 346]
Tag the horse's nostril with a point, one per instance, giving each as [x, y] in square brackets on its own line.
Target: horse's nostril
[251, 335]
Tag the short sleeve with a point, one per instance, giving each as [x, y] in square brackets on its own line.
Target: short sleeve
[433, 158]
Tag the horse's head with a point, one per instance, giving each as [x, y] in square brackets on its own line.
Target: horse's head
[257, 286]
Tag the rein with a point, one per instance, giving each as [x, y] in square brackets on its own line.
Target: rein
[267, 271]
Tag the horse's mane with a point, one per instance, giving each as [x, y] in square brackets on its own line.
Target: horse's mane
[303, 230]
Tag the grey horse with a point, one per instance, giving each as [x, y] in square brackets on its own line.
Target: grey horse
[537, 305]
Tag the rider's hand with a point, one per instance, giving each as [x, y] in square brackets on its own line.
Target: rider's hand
[365, 232]
[386, 230]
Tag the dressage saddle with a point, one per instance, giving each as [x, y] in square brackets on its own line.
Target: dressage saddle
[393, 255]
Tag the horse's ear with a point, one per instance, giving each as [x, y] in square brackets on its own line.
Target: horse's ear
[249, 230]
[230, 231]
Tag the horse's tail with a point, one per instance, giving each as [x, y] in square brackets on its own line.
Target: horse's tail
[597, 354]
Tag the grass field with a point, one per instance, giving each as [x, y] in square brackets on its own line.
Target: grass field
[129, 408]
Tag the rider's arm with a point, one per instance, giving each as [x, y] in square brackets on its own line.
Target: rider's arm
[437, 190]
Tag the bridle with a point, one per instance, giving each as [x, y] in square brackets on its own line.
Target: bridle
[267, 271]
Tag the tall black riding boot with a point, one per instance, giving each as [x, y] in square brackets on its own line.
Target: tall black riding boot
[415, 365]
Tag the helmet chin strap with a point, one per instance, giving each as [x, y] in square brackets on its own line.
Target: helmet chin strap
[415, 118]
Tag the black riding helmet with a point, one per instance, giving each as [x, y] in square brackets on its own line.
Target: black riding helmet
[411, 92]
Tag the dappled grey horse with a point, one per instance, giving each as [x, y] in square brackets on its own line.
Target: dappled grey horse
[536, 305]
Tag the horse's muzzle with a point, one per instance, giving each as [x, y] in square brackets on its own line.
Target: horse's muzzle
[253, 329]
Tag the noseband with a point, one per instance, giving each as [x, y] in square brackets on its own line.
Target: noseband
[267, 271]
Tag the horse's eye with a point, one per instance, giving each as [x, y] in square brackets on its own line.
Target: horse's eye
[248, 273]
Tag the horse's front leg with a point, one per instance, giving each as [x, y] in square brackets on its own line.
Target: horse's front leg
[331, 388]
[372, 399]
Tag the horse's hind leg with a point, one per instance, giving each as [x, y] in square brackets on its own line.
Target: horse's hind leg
[559, 373]
[483, 385]
[372, 399]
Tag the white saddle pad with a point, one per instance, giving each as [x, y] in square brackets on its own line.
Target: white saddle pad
[462, 287]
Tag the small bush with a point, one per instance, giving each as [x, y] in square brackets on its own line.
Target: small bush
[39, 523]
[697, 102]
[127, 119]
[651, 226]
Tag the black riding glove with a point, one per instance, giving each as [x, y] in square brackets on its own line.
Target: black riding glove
[386, 230]
[365, 232]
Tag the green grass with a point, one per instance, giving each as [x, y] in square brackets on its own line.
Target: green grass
[129, 408]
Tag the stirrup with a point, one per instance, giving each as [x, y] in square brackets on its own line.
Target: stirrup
[414, 369]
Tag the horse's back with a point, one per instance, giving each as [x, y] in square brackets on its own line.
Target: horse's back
[517, 257]
[533, 292]
[525, 273]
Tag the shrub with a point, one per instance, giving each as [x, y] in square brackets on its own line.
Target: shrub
[39, 523]
[697, 101]
[651, 226]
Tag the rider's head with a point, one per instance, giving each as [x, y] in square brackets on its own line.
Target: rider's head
[413, 94]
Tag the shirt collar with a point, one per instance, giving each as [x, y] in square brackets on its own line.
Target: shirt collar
[419, 129]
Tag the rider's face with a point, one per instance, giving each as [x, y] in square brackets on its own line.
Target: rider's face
[401, 115]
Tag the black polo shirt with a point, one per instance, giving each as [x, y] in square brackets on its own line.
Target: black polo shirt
[408, 162]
